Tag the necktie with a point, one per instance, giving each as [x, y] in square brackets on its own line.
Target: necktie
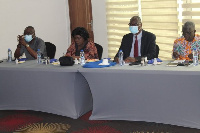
[136, 47]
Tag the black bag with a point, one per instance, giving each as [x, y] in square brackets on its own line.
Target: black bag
[66, 61]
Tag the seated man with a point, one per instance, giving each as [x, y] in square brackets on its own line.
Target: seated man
[29, 44]
[139, 43]
[184, 45]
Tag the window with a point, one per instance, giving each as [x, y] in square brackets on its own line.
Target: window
[119, 13]
[163, 18]
[191, 12]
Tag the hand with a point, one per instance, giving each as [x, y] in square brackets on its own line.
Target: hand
[130, 59]
[75, 57]
[116, 59]
[190, 56]
[21, 40]
[176, 55]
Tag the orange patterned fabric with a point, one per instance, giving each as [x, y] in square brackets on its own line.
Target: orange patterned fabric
[184, 48]
[90, 50]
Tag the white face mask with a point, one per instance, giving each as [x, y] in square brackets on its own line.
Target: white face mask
[134, 29]
[28, 38]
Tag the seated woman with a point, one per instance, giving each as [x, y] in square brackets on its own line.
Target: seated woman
[80, 36]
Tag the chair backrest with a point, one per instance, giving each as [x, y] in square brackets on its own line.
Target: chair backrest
[51, 50]
[157, 51]
[99, 50]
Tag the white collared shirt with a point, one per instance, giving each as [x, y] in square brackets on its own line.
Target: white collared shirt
[139, 37]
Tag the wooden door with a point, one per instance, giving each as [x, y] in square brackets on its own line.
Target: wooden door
[80, 12]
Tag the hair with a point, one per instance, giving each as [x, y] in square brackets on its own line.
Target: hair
[80, 31]
[135, 17]
[188, 24]
[31, 27]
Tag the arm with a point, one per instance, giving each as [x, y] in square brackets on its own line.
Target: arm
[91, 51]
[125, 46]
[149, 47]
[71, 51]
[17, 51]
[175, 54]
[23, 42]
[31, 51]
[41, 45]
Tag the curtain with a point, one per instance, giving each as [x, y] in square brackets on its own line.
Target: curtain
[161, 18]
[164, 18]
[191, 12]
[118, 13]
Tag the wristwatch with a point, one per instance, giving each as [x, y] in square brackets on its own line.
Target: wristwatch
[27, 45]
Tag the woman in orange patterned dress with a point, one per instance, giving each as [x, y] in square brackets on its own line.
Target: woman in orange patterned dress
[81, 42]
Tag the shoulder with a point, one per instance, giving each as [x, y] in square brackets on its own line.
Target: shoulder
[197, 37]
[72, 45]
[39, 40]
[147, 33]
[90, 44]
[180, 39]
[127, 37]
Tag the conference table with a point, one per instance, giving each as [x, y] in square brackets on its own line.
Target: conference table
[47, 88]
[153, 93]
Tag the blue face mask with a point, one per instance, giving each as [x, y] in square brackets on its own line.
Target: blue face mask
[28, 38]
[134, 29]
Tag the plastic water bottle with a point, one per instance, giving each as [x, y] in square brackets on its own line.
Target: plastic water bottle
[145, 61]
[195, 57]
[82, 57]
[155, 61]
[9, 55]
[39, 61]
[121, 60]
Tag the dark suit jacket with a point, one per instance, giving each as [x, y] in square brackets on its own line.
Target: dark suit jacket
[148, 45]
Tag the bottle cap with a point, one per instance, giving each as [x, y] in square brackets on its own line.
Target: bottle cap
[194, 49]
[38, 50]
[81, 50]
[120, 50]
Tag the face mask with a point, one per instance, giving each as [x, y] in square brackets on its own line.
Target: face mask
[133, 29]
[28, 38]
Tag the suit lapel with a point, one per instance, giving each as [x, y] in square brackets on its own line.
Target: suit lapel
[143, 42]
[130, 41]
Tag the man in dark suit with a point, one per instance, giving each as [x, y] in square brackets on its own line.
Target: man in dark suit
[139, 43]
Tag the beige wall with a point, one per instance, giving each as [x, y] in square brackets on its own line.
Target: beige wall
[100, 28]
[50, 19]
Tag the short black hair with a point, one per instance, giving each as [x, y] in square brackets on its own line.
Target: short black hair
[30, 27]
[135, 17]
[80, 31]
[188, 24]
